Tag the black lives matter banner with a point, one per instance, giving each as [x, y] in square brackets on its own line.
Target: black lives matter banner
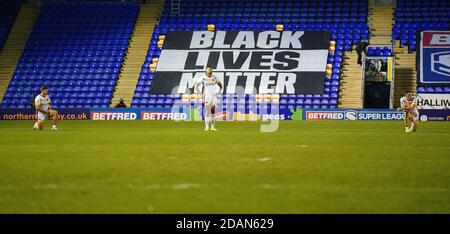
[250, 62]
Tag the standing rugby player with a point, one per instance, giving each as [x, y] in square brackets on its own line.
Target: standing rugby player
[408, 104]
[210, 83]
[44, 110]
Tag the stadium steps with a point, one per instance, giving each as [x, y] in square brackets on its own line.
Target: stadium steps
[11, 52]
[405, 72]
[350, 84]
[136, 52]
[380, 21]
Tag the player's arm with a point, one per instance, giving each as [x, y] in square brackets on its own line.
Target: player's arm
[196, 87]
[220, 86]
[39, 108]
[49, 105]
[404, 107]
[414, 103]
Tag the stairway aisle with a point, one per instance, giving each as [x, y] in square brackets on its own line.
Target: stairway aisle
[136, 53]
[15, 44]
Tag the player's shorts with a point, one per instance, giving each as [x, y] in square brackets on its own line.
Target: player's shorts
[41, 116]
[415, 118]
[210, 99]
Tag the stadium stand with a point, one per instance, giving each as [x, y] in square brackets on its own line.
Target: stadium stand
[91, 64]
[77, 49]
[345, 20]
[8, 13]
[411, 17]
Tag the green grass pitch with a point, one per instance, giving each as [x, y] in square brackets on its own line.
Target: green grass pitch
[176, 167]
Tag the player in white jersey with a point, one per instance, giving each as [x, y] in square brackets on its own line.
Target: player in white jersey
[210, 83]
[44, 110]
[408, 104]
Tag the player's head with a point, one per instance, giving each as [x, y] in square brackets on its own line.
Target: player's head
[209, 71]
[44, 90]
[408, 94]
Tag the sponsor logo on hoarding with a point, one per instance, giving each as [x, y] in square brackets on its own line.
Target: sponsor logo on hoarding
[423, 118]
[324, 115]
[103, 115]
[432, 118]
[380, 115]
[350, 115]
[434, 58]
[273, 117]
[354, 115]
[436, 118]
[440, 63]
[30, 114]
[433, 101]
[151, 115]
[294, 114]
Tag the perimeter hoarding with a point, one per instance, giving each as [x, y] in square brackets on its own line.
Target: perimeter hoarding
[196, 114]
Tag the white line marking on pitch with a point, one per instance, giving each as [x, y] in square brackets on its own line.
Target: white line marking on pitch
[301, 146]
[185, 186]
[264, 159]
[145, 186]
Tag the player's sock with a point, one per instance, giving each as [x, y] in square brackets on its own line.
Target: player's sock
[36, 126]
[206, 123]
[408, 129]
[54, 127]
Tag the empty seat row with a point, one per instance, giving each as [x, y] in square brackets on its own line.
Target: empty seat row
[431, 89]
